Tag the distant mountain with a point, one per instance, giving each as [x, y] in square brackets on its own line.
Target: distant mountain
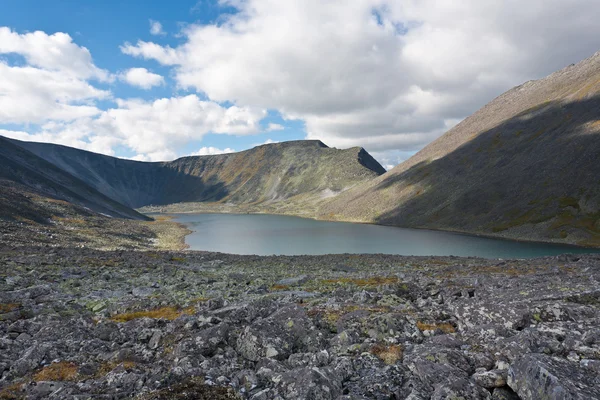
[25, 178]
[263, 175]
[525, 166]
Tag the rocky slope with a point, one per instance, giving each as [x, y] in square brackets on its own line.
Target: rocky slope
[86, 324]
[26, 178]
[524, 166]
[265, 174]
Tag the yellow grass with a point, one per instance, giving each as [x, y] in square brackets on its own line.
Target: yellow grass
[169, 313]
[388, 354]
[60, 371]
[444, 327]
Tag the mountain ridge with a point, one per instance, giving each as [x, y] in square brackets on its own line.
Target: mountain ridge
[270, 173]
[521, 167]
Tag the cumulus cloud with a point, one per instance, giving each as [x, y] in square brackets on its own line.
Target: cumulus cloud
[55, 52]
[51, 96]
[385, 74]
[156, 28]
[209, 151]
[154, 130]
[148, 50]
[142, 78]
[275, 127]
[54, 82]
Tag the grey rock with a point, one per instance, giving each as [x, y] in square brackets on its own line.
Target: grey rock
[536, 376]
[491, 379]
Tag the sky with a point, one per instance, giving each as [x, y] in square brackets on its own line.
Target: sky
[157, 80]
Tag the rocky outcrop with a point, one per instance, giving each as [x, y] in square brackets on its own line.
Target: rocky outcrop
[540, 377]
[77, 323]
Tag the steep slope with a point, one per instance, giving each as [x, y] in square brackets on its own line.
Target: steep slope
[25, 177]
[524, 166]
[265, 174]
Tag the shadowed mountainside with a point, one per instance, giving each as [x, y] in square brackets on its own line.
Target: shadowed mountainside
[27, 182]
[264, 174]
[525, 166]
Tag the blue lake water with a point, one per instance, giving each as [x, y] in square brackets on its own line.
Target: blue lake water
[284, 235]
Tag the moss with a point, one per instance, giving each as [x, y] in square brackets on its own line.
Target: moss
[60, 371]
[169, 313]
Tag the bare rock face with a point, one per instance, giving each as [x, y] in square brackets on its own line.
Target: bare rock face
[537, 376]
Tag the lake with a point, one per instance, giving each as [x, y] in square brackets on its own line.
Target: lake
[262, 234]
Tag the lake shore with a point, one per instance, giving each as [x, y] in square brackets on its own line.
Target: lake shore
[267, 234]
[522, 234]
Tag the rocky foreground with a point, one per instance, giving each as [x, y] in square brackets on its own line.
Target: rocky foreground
[89, 324]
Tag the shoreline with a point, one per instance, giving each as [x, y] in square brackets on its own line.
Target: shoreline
[451, 231]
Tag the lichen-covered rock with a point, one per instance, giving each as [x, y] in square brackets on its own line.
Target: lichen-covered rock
[540, 377]
[382, 327]
[491, 379]
[309, 383]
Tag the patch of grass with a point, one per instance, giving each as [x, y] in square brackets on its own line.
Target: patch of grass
[388, 354]
[567, 201]
[8, 307]
[177, 259]
[107, 367]
[529, 217]
[198, 300]
[54, 201]
[60, 371]
[13, 391]
[444, 327]
[169, 313]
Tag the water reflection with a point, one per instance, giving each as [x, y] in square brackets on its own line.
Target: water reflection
[284, 235]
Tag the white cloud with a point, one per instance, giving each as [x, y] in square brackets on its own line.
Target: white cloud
[52, 100]
[156, 28]
[384, 74]
[209, 151]
[142, 78]
[154, 130]
[148, 50]
[53, 84]
[55, 52]
[275, 127]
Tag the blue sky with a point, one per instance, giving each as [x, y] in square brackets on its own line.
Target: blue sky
[103, 26]
[386, 75]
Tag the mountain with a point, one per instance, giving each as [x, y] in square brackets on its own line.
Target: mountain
[525, 166]
[266, 174]
[27, 182]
